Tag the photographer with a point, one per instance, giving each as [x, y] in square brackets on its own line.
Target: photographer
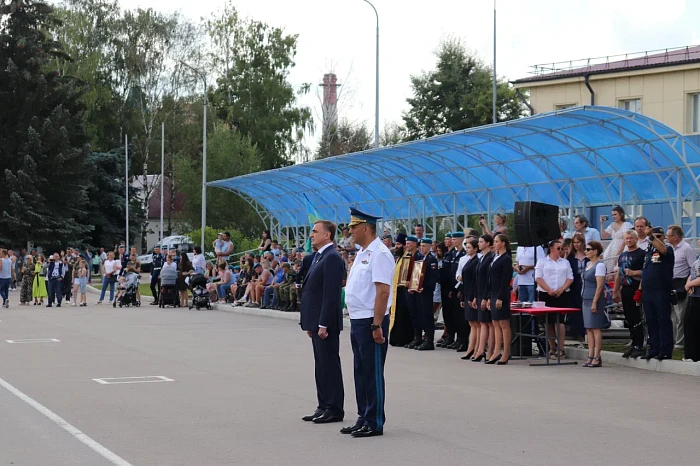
[657, 283]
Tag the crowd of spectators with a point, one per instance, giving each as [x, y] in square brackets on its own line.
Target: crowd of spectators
[651, 273]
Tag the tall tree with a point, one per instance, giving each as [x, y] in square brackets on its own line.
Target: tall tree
[254, 95]
[106, 207]
[42, 140]
[458, 94]
[151, 48]
[228, 155]
[345, 138]
[87, 32]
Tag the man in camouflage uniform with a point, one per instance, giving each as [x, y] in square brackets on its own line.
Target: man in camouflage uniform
[287, 291]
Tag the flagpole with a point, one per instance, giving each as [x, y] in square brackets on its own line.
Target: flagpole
[126, 176]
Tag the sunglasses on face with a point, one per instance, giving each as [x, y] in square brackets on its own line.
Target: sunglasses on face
[557, 249]
[589, 249]
[658, 236]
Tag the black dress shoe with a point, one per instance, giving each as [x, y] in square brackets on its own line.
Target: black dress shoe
[317, 413]
[493, 361]
[649, 356]
[327, 418]
[661, 357]
[462, 348]
[351, 429]
[367, 431]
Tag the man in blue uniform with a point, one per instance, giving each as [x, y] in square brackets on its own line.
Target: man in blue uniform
[657, 283]
[156, 266]
[461, 326]
[430, 278]
[446, 285]
[368, 298]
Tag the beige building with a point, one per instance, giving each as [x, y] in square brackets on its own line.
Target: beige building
[662, 85]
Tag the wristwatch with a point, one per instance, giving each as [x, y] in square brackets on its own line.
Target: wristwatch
[374, 327]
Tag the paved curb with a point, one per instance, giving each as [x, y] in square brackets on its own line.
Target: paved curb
[668, 366]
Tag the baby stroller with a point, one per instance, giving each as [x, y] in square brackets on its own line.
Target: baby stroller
[200, 295]
[132, 285]
[168, 288]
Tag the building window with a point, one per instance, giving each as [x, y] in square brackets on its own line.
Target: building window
[695, 113]
[563, 106]
[633, 105]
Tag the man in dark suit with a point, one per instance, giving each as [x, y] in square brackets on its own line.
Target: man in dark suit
[322, 319]
[55, 274]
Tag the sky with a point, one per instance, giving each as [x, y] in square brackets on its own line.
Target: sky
[340, 35]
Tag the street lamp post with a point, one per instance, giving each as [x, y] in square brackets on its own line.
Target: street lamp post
[204, 151]
[376, 101]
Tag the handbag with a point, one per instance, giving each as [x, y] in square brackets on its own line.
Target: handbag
[608, 321]
[113, 278]
[679, 288]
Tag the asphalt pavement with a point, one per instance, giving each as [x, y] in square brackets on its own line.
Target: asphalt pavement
[225, 388]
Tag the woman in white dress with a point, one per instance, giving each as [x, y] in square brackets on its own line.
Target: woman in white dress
[616, 230]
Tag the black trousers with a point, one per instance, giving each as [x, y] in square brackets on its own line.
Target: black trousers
[414, 302]
[448, 314]
[328, 373]
[155, 286]
[691, 324]
[463, 329]
[633, 315]
[427, 320]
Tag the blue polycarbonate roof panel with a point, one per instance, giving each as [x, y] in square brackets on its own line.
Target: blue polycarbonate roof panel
[596, 155]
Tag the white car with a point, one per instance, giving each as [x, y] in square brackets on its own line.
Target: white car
[180, 243]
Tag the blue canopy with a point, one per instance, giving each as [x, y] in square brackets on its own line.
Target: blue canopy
[578, 156]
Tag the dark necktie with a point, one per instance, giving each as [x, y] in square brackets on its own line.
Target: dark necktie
[317, 257]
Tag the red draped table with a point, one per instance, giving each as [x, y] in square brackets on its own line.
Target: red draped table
[544, 311]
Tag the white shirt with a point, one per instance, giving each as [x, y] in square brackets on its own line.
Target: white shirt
[591, 234]
[375, 264]
[526, 256]
[199, 263]
[110, 266]
[460, 265]
[554, 273]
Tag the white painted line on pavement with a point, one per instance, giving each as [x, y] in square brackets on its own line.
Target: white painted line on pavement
[63, 424]
[140, 379]
[34, 340]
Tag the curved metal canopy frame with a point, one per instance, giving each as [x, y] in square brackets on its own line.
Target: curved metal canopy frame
[603, 155]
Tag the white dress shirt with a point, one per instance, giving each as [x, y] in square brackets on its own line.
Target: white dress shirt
[526, 256]
[375, 264]
[554, 273]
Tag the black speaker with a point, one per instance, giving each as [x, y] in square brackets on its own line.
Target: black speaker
[536, 223]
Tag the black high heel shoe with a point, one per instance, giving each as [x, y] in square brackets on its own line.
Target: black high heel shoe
[494, 361]
[502, 363]
[467, 356]
[479, 358]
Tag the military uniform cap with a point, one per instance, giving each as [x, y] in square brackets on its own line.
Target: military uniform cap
[357, 217]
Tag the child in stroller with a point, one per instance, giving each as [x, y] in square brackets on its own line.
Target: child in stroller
[126, 291]
[200, 295]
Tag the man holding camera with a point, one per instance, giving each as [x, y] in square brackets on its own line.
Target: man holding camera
[657, 283]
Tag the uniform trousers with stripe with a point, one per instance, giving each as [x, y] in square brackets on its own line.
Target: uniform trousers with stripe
[369, 359]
